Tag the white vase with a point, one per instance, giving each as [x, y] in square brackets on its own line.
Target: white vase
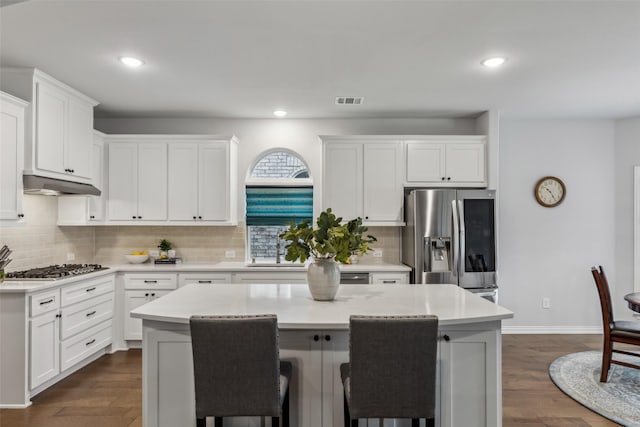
[323, 278]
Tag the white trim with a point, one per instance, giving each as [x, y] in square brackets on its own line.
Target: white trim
[551, 329]
[279, 182]
[636, 229]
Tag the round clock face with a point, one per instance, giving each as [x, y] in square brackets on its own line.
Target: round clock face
[550, 191]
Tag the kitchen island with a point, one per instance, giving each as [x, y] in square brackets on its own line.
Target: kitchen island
[314, 337]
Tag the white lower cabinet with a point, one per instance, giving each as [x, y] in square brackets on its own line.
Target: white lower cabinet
[67, 325]
[134, 299]
[141, 288]
[389, 278]
[203, 278]
[270, 277]
[44, 339]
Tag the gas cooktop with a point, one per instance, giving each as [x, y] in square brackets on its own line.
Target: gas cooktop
[54, 272]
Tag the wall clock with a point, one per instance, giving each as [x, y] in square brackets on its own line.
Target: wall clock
[550, 191]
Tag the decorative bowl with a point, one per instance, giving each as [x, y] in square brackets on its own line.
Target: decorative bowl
[137, 259]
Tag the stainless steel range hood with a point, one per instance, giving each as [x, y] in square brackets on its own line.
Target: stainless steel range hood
[35, 184]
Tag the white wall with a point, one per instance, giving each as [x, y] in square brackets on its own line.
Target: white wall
[548, 252]
[627, 143]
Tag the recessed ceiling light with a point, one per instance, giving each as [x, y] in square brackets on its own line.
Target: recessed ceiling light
[279, 113]
[494, 62]
[130, 61]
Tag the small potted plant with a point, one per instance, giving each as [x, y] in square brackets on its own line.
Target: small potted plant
[329, 242]
[165, 246]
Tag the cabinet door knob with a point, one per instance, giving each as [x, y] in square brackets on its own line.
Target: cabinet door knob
[153, 294]
[146, 295]
[73, 171]
[316, 337]
[92, 217]
[448, 178]
[199, 217]
[139, 217]
[134, 217]
[446, 338]
[194, 217]
[443, 178]
[327, 337]
[21, 215]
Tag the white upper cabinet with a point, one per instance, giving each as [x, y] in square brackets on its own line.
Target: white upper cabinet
[137, 181]
[172, 179]
[363, 178]
[447, 161]
[58, 141]
[199, 181]
[12, 124]
[87, 210]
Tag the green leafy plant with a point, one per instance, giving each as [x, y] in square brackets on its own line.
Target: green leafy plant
[330, 239]
[164, 245]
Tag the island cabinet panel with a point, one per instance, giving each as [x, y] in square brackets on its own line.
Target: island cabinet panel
[470, 374]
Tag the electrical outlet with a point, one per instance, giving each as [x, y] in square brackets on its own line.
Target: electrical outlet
[71, 256]
[154, 254]
[377, 253]
[229, 254]
[546, 302]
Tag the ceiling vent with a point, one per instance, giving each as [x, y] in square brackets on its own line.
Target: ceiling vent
[349, 100]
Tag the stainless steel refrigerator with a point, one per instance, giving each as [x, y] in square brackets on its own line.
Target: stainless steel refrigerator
[450, 237]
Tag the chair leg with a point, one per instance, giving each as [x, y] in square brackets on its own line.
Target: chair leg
[347, 417]
[285, 410]
[354, 423]
[415, 422]
[430, 422]
[201, 422]
[275, 421]
[606, 359]
[218, 422]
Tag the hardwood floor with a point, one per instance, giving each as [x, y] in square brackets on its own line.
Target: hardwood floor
[109, 391]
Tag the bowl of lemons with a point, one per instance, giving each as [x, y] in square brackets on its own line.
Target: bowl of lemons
[137, 257]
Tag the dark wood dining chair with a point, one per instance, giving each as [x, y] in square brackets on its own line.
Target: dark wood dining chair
[627, 332]
[392, 369]
[237, 371]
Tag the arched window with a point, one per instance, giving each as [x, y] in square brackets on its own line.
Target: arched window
[279, 190]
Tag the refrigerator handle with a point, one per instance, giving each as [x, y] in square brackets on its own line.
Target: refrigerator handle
[427, 255]
[456, 236]
[462, 239]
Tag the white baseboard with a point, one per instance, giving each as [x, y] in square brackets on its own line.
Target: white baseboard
[551, 329]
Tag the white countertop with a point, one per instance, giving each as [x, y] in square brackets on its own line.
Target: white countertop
[242, 266]
[297, 310]
[11, 286]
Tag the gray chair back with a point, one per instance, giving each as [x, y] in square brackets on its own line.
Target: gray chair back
[393, 366]
[236, 365]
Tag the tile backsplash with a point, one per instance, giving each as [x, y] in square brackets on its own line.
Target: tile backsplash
[38, 241]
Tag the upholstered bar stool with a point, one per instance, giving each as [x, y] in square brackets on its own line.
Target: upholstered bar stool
[392, 368]
[236, 368]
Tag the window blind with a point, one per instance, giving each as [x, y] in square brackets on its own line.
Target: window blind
[278, 205]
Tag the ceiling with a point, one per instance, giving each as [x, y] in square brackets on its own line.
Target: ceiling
[244, 59]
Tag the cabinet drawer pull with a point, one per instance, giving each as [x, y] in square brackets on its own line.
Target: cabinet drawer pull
[150, 281]
[90, 342]
[388, 281]
[153, 294]
[49, 301]
[91, 314]
[204, 281]
[91, 289]
[316, 338]
[446, 337]
[327, 337]
[146, 295]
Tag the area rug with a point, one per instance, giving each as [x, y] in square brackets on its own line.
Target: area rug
[578, 375]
